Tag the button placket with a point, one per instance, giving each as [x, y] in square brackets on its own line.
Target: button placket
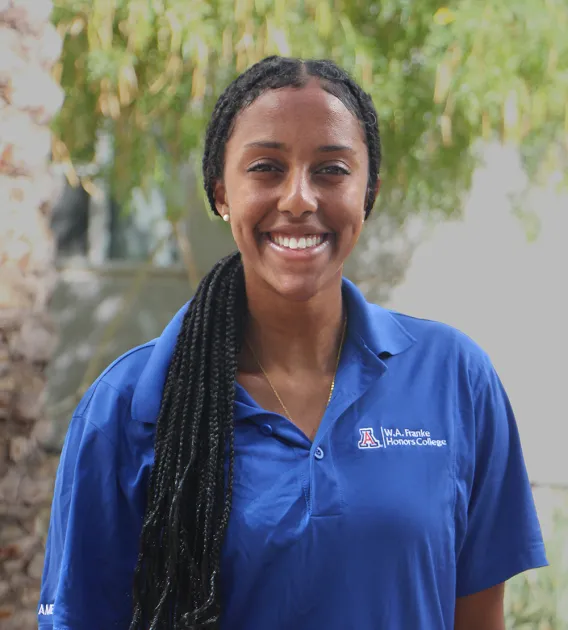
[325, 494]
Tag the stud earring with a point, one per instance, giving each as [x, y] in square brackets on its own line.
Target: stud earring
[226, 218]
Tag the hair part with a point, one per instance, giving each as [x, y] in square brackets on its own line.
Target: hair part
[274, 73]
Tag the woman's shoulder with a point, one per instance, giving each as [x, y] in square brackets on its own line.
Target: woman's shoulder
[133, 383]
[441, 341]
[434, 342]
[111, 394]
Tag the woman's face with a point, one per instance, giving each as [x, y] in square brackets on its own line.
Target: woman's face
[295, 179]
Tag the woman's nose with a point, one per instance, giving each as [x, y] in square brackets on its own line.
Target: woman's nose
[298, 195]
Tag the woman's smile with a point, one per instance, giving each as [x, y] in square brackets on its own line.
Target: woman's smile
[304, 242]
[297, 246]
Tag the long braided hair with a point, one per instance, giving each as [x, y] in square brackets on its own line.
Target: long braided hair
[177, 578]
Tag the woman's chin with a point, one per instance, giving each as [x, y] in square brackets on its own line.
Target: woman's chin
[299, 287]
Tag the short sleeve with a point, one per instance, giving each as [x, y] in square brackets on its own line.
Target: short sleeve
[92, 543]
[499, 533]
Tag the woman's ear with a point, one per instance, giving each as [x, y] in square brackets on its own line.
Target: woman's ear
[220, 195]
[377, 187]
[375, 193]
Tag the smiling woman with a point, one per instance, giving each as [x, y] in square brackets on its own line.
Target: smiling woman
[287, 455]
[295, 172]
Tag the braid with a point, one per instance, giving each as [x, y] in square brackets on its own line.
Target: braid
[176, 582]
[278, 72]
[177, 577]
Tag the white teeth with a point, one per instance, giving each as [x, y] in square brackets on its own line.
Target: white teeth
[304, 242]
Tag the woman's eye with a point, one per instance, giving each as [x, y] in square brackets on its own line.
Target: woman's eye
[334, 169]
[263, 167]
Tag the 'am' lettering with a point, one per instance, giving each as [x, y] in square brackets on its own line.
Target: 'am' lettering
[46, 609]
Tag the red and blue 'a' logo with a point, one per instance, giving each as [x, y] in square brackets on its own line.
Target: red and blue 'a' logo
[368, 439]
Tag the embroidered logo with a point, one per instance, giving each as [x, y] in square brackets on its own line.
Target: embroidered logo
[398, 437]
[368, 439]
[45, 609]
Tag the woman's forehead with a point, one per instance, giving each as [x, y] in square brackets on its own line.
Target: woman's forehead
[302, 112]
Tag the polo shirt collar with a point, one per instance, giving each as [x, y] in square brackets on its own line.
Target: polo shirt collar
[376, 327]
[373, 327]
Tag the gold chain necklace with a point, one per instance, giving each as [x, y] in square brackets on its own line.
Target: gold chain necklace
[274, 389]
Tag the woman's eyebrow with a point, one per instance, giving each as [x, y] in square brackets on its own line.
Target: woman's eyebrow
[331, 148]
[326, 148]
[266, 144]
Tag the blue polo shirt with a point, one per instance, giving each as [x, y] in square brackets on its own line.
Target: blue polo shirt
[414, 491]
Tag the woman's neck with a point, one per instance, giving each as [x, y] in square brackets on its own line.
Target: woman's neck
[292, 336]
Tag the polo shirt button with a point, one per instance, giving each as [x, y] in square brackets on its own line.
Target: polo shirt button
[318, 453]
[266, 429]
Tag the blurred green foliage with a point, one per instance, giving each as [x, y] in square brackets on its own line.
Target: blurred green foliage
[442, 75]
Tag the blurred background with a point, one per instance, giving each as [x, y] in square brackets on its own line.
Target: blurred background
[105, 233]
